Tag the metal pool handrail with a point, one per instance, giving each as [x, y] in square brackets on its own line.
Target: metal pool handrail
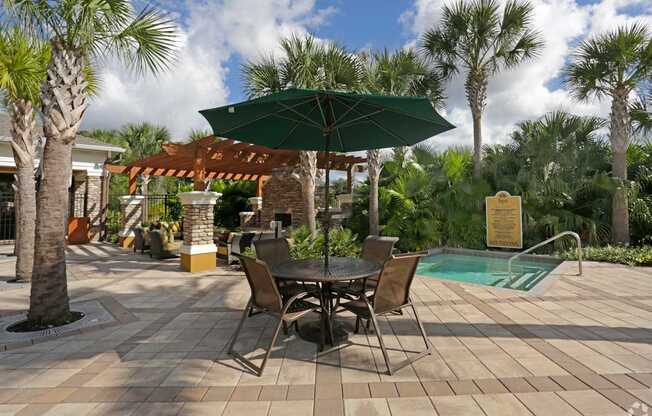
[543, 243]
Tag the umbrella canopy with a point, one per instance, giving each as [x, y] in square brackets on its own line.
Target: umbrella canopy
[306, 119]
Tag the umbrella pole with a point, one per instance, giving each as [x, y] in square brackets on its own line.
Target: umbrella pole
[327, 225]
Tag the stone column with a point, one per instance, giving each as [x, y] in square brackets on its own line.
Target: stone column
[132, 215]
[198, 251]
[94, 205]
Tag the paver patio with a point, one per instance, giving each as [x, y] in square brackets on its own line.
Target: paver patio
[584, 347]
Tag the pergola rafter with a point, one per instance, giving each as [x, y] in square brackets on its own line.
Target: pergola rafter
[213, 158]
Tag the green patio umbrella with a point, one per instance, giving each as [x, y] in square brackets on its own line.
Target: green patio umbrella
[328, 121]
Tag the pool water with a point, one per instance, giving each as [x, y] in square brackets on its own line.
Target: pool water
[485, 270]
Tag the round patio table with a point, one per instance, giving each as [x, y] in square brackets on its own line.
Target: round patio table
[340, 269]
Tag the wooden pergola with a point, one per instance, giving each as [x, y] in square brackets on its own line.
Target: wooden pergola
[213, 158]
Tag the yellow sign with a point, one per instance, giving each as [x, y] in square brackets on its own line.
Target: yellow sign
[504, 221]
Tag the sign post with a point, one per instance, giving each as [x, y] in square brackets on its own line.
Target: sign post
[504, 221]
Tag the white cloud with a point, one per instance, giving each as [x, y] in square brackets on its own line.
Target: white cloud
[212, 32]
[525, 92]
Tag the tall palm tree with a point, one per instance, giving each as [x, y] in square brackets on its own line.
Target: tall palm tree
[613, 65]
[482, 39]
[306, 63]
[22, 68]
[401, 72]
[80, 34]
[142, 140]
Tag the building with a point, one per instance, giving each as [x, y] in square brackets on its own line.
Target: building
[88, 190]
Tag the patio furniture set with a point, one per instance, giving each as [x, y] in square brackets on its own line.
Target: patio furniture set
[378, 283]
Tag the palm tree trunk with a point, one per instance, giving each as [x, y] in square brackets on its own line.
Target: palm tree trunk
[476, 95]
[373, 169]
[620, 125]
[63, 95]
[307, 173]
[22, 145]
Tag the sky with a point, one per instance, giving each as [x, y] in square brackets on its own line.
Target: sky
[217, 36]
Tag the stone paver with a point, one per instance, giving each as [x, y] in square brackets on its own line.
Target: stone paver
[582, 347]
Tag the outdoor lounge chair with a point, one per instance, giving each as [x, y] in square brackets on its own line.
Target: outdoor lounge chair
[392, 294]
[140, 242]
[160, 248]
[266, 298]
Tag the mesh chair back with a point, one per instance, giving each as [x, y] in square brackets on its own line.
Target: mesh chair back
[378, 249]
[273, 252]
[264, 291]
[394, 282]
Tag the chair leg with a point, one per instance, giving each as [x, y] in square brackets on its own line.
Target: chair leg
[285, 328]
[421, 329]
[237, 331]
[357, 325]
[271, 346]
[380, 341]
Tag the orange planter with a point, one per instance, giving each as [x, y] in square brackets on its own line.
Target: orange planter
[78, 228]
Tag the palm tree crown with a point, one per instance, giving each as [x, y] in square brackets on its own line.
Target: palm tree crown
[22, 65]
[477, 36]
[402, 72]
[104, 28]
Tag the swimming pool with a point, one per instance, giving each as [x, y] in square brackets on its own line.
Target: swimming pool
[487, 268]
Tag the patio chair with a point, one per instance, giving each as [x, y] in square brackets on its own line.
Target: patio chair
[374, 248]
[392, 294]
[273, 252]
[266, 298]
[141, 241]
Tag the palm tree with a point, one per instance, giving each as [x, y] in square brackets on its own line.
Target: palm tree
[22, 68]
[613, 65]
[395, 73]
[142, 140]
[80, 34]
[477, 36]
[306, 64]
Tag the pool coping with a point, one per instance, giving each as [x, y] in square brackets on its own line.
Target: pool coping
[538, 289]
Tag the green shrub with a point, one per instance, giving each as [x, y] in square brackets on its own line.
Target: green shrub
[632, 256]
[343, 243]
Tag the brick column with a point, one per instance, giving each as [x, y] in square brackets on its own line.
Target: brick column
[132, 215]
[198, 251]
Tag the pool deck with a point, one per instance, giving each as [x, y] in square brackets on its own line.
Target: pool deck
[581, 347]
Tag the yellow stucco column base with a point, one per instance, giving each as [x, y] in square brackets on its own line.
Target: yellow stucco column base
[198, 262]
[126, 242]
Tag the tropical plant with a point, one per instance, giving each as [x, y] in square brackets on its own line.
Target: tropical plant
[142, 140]
[306, 63]
[614, 65]
[22, 68]
[342, 243]
[234, 199]
[402, 73]
[477, 36]
[557, 164]
[80, 34]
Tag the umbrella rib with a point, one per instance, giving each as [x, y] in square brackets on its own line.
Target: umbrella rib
[339, 134]
[348, 123]
[225, 132]
[292, 130]
[351, 107]
[386, 130]
[299, 114]
[321, 110]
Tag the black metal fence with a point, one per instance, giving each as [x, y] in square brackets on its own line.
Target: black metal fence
[77, 205]
[7, 217]
[161, 207]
